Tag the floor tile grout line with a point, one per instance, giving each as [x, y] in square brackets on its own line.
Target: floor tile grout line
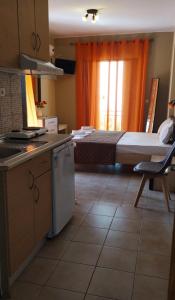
[76, 292]
[29, 282]
[96, 265]
[102, 267]
[138, 248]
[101, 297]
[59, 260]
[70, 290]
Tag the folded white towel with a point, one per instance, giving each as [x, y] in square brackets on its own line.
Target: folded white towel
[87, 128]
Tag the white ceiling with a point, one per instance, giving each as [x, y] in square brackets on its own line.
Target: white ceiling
[124, 16]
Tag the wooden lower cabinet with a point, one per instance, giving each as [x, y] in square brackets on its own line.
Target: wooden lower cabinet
[29, 209]
[20, 207]
[42, 206]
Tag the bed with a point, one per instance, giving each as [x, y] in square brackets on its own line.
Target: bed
[134, 147]
[131, 148]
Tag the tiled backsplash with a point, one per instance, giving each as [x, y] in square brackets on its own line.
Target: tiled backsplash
[10, 104]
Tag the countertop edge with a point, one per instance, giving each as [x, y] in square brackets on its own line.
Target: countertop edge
[53, 141]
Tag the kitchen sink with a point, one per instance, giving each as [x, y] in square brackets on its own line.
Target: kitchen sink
[22, 142]
[7, 152]
[11, 147]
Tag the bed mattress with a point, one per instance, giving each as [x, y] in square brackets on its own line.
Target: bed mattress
[141, 143]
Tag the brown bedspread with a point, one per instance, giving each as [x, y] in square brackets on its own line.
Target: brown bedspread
[97, 148]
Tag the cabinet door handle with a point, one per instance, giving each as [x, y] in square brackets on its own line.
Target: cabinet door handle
[38, 42]
[33, 180]
[68, 150]
[36, 193]
[34, 40]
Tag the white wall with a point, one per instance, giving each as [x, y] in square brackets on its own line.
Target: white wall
[48, 93]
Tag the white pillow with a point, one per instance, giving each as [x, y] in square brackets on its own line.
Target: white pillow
[166, 132]
[164, 124]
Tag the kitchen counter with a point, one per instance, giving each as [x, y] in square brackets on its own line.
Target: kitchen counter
[51, 141]
[15, 188]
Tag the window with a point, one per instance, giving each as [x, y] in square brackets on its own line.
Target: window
[30, 92]
[111, 88]
[30, 100]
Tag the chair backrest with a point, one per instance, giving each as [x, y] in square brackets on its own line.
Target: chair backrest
[168, 158]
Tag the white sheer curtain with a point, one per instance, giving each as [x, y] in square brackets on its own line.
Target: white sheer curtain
[111, 86]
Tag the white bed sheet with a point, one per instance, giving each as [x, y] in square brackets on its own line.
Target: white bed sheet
[141, 143]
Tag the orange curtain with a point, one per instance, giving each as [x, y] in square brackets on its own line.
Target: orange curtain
[88, 56]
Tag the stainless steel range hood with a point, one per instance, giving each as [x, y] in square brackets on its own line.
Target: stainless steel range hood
[31, 65]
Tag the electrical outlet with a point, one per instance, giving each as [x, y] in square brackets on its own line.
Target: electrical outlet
[2, 92]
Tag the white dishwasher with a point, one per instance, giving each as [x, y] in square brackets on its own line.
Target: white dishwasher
[63, 186]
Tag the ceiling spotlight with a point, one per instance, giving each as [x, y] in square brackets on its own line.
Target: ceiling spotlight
[96, 17]
[94, 13]
[93, 19]
[85, 17]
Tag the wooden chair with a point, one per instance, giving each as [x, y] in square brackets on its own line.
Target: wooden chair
[155, 169]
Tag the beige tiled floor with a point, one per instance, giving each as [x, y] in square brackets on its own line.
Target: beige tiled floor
[109, 250]
[71, 276]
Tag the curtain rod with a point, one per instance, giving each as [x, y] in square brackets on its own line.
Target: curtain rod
[74, 43]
